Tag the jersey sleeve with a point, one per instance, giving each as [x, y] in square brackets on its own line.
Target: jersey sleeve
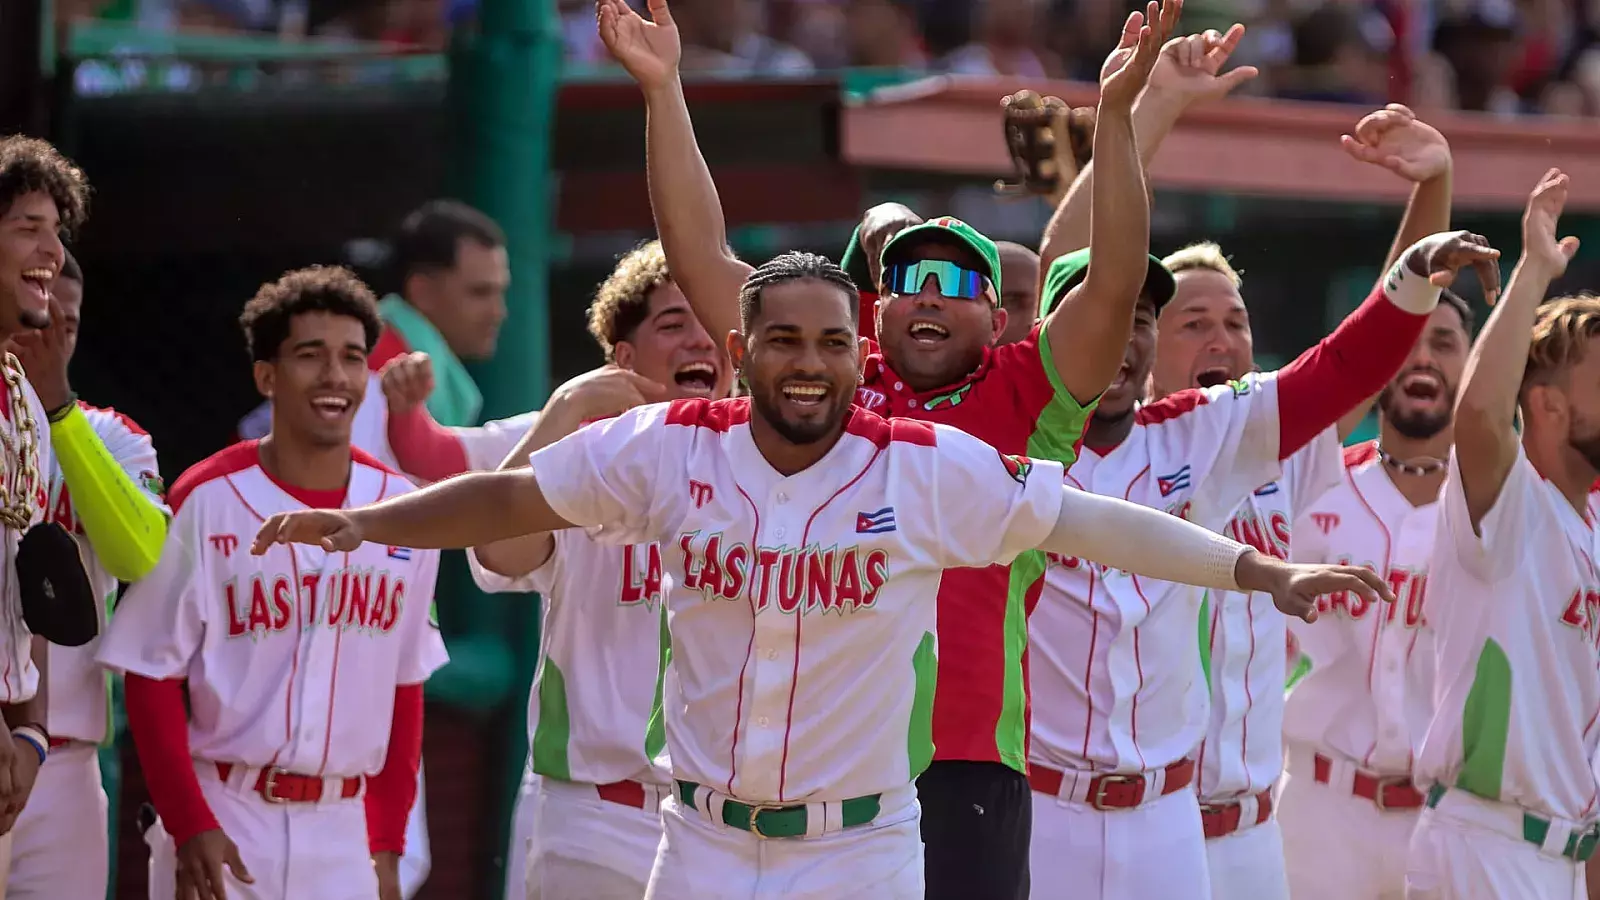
[489, 444]
[1492, 551]
[1228, 434]
[160, 622]
[424, 651]
[1314, 469]
[133, 449]
[538, 581]
[987, 506]
[606, 477]
[1059, 419]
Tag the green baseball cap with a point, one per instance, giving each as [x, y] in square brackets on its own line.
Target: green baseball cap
[950, 229]
[854, 263]
[1068, 271]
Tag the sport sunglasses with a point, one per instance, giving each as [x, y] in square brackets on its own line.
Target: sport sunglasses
[955, 281]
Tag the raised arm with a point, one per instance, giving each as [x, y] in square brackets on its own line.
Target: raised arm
[682, 195]
[1486, 437]
[1394, 138]
[1187, 73]
[1088, 330]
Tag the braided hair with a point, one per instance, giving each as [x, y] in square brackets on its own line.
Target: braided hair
[792, 266]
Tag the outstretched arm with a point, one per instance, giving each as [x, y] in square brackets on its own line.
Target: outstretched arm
[1088, 330]
[1486, 437]
[684, 198]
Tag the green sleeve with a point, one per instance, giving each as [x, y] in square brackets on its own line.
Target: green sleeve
[126, 529]
[1059, 429]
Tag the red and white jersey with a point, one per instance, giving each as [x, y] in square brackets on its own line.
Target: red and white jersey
[77, 684]
[602, 658]
[801, 608]
[1114, 658]
[1243, 749]
[1369, 695]
[19, 677]
[291, 658]
[1517, 699]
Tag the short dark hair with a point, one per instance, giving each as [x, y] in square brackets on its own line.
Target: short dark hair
[28, 165]
[1453, 300]
[793, 266]
[430, 236]
[332, 289]
[70, 269]
[623, 301]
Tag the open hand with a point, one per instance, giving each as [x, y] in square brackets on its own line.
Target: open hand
[329, 529]
[407, 382]
[201, 860]
[1127, 70]
[1539, 244]
[1295, 588]
[650, 51]
[1440, 256]
[1190, 68]
[1394, 138]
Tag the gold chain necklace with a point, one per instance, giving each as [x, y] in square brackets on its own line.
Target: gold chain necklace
[19, 453]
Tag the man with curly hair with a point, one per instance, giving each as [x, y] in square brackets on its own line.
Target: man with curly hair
[303, 668]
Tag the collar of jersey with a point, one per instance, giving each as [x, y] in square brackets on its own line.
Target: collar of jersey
[878, 366]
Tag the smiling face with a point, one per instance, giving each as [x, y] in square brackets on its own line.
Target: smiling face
[671, 347]
[929, 339]
[801, 359]
[317, 378]
[1205, 337]
[31, 254]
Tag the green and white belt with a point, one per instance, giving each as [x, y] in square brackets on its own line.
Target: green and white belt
[1580, 843]
[767, 820]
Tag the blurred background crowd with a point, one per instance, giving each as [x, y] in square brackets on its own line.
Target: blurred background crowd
[1508, 57]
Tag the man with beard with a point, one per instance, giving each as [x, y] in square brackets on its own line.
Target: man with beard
[1353, 724]
[938, 319]
[1509, 756]
[807, 539]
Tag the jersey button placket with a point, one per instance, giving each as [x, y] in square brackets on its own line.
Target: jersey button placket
[772, 661]
[315, 674]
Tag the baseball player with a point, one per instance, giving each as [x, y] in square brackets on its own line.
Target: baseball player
[1509, 756]
[938, 320]
[1115, 746]
[104, 489]
[42, 197]
[1352, 725]
[292, 770]
[805, 538]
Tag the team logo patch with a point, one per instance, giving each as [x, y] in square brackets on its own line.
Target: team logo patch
[1017, 467]
[1177, 481]
[401, 553]
[151, 482]
[880, 522]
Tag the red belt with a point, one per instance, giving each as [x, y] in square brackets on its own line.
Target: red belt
[1385, 791]
[1223, 819]
[277, 786]
[1114, 790]
[57, 743]
[624, 793]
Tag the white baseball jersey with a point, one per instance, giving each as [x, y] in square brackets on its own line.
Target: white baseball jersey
[261, 639]
[602, 656]
[1114, 658]
[1245, 634]
[78, 707]
[1369, 694]
[801, 608]
[1518, 691]
[19, 677]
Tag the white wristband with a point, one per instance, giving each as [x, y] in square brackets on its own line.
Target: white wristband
[1411, 292]
[35, 737]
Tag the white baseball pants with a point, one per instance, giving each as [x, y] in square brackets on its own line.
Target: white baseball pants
[59, 847]
[1155, 850]
[293, 851]
[522, 815]
[1248, 864]
[704, 860]
[1465, 849]
[585, 848]
[1338, 846]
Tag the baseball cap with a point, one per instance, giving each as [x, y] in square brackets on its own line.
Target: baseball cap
[1068, 271]
[954, 230]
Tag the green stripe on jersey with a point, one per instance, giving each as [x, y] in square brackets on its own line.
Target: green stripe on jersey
[1060, 426]
[1486, 724]
[554, 731]
[655, 735]
[1011, 730]
[919, 738]
[1205, 636]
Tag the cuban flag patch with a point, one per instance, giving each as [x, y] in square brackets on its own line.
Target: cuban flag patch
[1177, 481]
[401, 553]
[880, 522]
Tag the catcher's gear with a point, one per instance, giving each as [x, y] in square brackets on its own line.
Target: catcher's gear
[1049, 143]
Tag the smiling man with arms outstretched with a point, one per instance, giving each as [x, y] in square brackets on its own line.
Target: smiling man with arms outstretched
[806, 540]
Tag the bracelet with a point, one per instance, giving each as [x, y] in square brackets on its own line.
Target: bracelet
[60, 412]
[34, 736]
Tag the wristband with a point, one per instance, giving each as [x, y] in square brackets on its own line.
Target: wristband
[1222, 562]
[60, 412]
[34, 736]
[1411, 292]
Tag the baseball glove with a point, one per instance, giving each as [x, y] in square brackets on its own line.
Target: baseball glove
[57, 599]
[1049, 143]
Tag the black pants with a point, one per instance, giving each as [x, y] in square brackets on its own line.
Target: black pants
[977, 820]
